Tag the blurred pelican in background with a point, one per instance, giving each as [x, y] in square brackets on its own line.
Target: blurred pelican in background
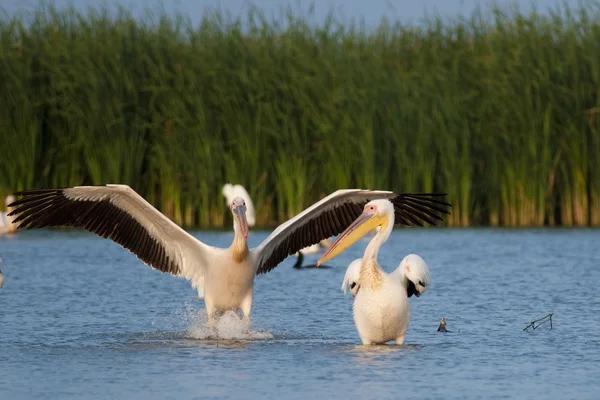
[231, 192]
[381, 307]
[6, 225]
[314, 249]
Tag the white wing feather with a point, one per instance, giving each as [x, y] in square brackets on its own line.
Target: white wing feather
[352, 274]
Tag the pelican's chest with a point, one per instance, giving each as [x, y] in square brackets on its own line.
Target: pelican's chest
[383, 314]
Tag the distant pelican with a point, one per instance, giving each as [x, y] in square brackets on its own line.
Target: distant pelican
[381, 306]
[1, 276]
[314, 249]
[224, 277]
[6, 225]
[231, 192]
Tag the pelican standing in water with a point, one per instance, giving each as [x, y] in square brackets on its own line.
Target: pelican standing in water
[6, 225]
[381, 307]
[224, 277]
[232, 191]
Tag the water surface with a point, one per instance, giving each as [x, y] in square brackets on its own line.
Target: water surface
[82, 318]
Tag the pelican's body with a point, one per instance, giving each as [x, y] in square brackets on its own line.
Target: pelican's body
[224, 277]
[315, 248]
[6, 225]
[381, 311]
[381, 308]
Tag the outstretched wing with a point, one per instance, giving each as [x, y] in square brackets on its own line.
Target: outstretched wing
[117, 212]
[332, 215]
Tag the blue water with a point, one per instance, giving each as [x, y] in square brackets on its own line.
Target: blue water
[82, 318]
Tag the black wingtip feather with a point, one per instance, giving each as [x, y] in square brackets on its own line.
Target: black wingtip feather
[42, 208]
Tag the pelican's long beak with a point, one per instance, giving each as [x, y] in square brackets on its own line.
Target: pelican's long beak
[364, 224]
[240, 212]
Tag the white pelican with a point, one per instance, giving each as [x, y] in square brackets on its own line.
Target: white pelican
[6, 225]
[381, 307]
[231, 192]
[223, 276]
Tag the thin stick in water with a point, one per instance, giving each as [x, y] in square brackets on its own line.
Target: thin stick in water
[540, 321]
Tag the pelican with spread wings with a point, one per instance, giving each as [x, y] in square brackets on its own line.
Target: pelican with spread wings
[224, 277]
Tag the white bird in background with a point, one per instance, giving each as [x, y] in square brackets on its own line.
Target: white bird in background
[314, 249]
[381, 306]
[6, 225]
[224, 277]
[231, 192]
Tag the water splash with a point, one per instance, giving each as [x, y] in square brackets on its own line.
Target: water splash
[228, 326]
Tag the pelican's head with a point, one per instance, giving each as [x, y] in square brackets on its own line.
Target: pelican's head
[377, 214]
[238, 209]
[417, 275]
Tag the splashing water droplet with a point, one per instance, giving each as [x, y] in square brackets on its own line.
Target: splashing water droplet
[228, 326]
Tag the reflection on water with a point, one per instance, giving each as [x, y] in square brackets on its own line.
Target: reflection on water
[378, 355]
[83, 317]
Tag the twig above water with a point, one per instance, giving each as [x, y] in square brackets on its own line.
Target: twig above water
[541, 321]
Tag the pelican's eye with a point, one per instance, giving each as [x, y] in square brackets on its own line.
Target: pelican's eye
[352, 285]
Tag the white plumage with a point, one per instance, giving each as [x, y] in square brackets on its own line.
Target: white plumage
[381, 308]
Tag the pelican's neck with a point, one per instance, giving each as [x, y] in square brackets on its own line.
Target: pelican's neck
[370, 273]
[378, 240]
[239, 247]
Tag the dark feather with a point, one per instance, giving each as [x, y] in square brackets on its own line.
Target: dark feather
[51, 208]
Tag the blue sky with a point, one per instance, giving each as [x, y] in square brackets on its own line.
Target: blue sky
[370, 10]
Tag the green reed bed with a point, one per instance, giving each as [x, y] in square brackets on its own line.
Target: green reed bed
[499, 110]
